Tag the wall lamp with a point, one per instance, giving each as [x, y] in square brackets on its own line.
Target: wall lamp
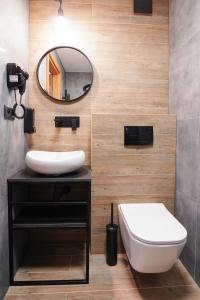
[60, 10]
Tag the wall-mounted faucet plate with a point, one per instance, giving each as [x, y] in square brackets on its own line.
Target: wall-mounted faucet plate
[71, 122]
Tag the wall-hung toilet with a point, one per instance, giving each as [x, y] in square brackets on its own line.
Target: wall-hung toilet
[153, 238]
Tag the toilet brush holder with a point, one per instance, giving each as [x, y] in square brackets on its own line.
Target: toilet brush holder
[111, 241]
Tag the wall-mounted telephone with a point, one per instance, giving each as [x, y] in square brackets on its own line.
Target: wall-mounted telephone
[16, 78]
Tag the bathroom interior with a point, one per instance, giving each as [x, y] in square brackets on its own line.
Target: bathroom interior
[100, 143]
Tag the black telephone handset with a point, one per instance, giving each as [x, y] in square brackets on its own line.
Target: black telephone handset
[16, 78]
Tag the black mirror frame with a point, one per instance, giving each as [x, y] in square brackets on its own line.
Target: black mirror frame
[55, 100]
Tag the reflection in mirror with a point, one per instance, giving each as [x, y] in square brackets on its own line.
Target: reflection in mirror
[65, 74]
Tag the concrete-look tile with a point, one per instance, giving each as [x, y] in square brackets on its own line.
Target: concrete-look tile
[186, 89]
[187, 257]
[184, 55]
[184, 102]
[188, 154]
[4, 267]
[184, 22]
[14, 48]
[184, 66]
[197, 267]
[186, 213]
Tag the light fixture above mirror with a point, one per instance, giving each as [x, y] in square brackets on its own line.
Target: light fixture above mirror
[60, 9]
[60, 16]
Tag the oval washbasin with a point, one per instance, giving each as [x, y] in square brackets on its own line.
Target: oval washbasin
[54, 163]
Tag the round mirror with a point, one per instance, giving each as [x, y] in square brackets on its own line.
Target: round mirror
[65, 74]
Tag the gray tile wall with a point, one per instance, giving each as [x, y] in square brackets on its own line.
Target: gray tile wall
[185, 102]
[13, 48]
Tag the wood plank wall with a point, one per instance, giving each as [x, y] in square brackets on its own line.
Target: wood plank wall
[130, 174]
[129, 54]
[130, 58]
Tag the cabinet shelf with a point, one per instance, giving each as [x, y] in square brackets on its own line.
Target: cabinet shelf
[48, 203]
[49, 225]
[51, 214]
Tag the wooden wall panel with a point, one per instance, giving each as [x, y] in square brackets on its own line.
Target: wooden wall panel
[129, 174]
[129, 54]
[130, 58]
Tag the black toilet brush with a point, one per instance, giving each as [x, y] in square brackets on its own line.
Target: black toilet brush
[111, 241]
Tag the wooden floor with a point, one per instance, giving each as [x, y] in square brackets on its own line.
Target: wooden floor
[116, 283]
[53, 262]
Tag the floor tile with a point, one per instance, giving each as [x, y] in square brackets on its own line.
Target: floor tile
[116, 283]
[57, 296]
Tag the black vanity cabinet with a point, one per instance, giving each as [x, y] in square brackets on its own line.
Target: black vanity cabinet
[52, 214]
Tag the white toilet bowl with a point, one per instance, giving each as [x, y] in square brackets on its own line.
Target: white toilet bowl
[153, 238]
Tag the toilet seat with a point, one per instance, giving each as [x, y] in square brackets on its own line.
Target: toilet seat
[152, 223]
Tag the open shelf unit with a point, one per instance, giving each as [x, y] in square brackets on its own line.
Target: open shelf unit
[41, 202]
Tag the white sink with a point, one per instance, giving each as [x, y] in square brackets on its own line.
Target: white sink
[54, 163]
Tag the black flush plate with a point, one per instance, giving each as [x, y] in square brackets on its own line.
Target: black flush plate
[138, 135]
[143, 6]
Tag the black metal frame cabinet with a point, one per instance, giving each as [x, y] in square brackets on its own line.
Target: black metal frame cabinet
[48, 202]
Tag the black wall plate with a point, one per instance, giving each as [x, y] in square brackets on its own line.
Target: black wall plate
[63, 121]
[143, 6]
[8, 113]
[29, 121]
[138, 135]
